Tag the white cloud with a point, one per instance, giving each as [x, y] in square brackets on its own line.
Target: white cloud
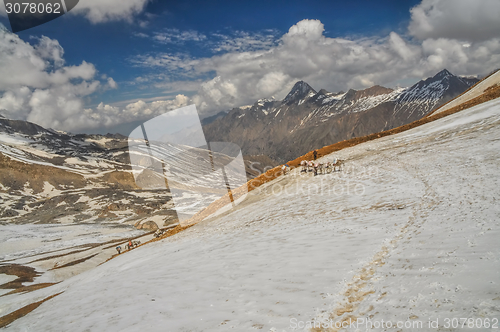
[112, 84]
[241, 41]
[232, 41]
[179, 63]
[140, 35]
[174, 36]
[35, 85]
[108, 115]
[271, 82]
[476, 20]
[304, 53]
[99, 11]
[305, 30]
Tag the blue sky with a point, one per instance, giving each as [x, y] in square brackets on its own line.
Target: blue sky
[111, 45]
[112, 62]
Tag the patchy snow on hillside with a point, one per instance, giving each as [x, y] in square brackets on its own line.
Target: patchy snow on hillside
[479, 89]
[333, 97]
[26, 241]
[367, 103]
[14, 139]
[407, 232]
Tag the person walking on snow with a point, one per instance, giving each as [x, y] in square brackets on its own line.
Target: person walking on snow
[315, 154]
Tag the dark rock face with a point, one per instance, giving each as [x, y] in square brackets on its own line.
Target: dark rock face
[20, 127]
[299, 91]
[212, 118]
[307, 119]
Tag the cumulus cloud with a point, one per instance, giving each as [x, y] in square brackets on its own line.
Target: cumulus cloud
[98, 11]
[36, 85]
[476, 20]
[108, 115]
[304, 53]
[112, 84]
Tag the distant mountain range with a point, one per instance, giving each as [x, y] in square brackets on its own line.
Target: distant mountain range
[306, 119]
[47, 175]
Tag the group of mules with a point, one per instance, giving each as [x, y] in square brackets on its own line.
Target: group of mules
[321, 168]
[130, 245]
[159, 232]
[317, 167]
[133, 244]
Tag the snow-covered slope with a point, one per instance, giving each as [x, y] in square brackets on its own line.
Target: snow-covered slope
[408, 232]
[68, 198]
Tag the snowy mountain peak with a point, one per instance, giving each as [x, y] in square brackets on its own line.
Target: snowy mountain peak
[265, 100]
[306, 119]
[428, 94]
[323, 92]
[442, 74]
[299, 91]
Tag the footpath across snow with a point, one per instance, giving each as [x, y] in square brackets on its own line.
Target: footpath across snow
[408, 232]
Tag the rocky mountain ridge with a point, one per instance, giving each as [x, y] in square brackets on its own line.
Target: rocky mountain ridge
[306, 119]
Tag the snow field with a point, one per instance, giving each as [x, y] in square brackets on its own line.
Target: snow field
[420, 242]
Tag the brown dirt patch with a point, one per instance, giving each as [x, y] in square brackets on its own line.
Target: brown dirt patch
[30, 288]
[23, 273]
[60, 255]
[122, 180]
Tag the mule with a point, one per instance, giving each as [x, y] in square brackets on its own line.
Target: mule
[303, 163]
[337, 163]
